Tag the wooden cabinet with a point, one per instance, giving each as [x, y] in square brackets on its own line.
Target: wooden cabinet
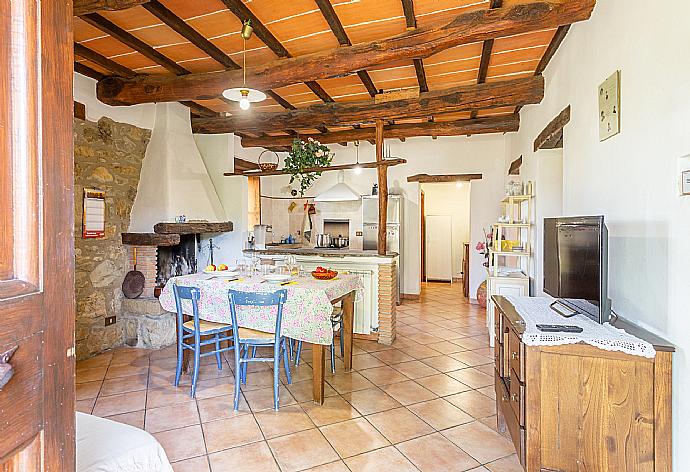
[577, 407]
[506, 286]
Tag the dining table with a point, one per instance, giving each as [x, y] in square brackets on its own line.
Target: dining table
[306, 313]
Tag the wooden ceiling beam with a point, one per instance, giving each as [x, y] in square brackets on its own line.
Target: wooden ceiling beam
[487, 49]
[243, 13]
[443, 178]
[280, 100]
[117, 69]
[182, 28]
[508, 93]
[419, 43]
[83, 7]
[107, 26]
[411, 23]
[338, 29]
[421, 75]
[319, 91]
[363, 165]
[88, 71]
[200, 109]
[493, 124]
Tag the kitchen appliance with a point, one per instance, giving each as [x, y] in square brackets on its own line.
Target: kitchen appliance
[323, 240]
[394, 228]
[262, 235]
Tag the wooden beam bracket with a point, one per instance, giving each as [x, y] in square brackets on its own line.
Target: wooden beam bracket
[549, 137]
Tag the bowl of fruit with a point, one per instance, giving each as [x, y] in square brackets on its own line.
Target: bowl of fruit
[219, 270]
[321, 273]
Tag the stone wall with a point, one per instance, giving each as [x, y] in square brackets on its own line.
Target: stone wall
[107, 156]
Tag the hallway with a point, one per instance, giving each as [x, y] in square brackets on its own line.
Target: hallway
[426, 403]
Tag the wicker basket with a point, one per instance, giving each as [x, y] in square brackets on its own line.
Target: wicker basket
[269, 164]
[331, 274]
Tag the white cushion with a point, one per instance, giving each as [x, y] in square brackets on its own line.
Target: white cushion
[108, 446]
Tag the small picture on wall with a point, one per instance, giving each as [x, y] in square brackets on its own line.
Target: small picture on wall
[609, 107]
[685, 182]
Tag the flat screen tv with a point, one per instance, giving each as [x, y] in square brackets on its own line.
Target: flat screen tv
[576, 265]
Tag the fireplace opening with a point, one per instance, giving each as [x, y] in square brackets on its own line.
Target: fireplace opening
[177, 260]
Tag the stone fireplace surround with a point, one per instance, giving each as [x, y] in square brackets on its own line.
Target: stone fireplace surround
[146, 324]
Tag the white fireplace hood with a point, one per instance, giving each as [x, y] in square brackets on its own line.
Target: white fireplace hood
[174, 180]
[340, 192]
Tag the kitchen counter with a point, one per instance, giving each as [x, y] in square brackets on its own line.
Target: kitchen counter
[310, 251]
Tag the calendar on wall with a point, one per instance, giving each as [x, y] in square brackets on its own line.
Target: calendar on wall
[93, 220]
[610, 107]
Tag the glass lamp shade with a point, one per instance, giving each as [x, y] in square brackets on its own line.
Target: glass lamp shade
[244, 95]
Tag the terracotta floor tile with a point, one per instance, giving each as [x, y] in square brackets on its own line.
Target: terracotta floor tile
[122, 403]
[444, 363]
[353, 437]
[333, 410]
[302, 450]
[133, 418]
[337, 466]
[474, 403]
[399, 425]
[131, 383]
[388, 458]
[158, 397]
[393, 356]
[408, 392]
[472, 377]
[290, 419]
[419, 351]
[486, 368]
[222, 407]
[480, 441]
[262, 399]
[88, 390]
[440, 414]
[365, 361]
[91, 374]
[442, 385]
[251, 457]
[183, 443]
[172, 417]
[349, 382]
[415, 369]
[470, 343]
[86, 406]
[215, 387]
[489, 391]
[125, 370]
[196, 464]
[435, 453]
[383, 375]
[372, 400]
[130, 356]
[304, 390]
[231, 432]
[101, 360]
[446, 347]
[507, 464]
[472, 359]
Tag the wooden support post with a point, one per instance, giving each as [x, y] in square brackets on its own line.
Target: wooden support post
[383, 188]
[347, 328]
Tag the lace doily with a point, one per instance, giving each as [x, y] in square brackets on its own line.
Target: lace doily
[536, 310]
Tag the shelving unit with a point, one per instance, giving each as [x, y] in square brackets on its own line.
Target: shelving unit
[509, 270]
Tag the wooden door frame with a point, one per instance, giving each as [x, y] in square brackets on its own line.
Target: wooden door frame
[36, 133]
[422, 238]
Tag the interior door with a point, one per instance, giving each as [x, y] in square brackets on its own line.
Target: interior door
[36, 237]
[439, 260]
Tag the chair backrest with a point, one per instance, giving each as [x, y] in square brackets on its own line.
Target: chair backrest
[186, 293]
[271, 299]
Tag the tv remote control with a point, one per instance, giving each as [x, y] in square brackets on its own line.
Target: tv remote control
[559, 328]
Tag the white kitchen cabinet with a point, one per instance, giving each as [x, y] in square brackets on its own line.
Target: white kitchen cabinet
[516, 286]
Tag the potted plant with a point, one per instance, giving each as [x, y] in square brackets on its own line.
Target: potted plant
[305, 155]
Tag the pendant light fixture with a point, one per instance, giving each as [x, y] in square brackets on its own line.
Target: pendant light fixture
[245, 95]
[357, 168]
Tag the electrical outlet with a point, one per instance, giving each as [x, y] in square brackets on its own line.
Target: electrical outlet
[358, 233]
[110, 320]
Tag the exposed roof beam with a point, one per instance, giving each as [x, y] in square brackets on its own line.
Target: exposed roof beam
[491, 95]
[107, 26]
[408, 11]
[422, 42]
[82, 7]
[117, 69]
[240, 10]
[200, 109]
[411, 23]
[421, 75]
[87, 71]
[280, 100]
[319, 91]
[493, 124]
[487, 49]
[336, 26]
[182, 28]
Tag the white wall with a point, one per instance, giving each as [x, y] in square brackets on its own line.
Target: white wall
[449, 199]
[142, 116]
[631, 178]
[483, 154]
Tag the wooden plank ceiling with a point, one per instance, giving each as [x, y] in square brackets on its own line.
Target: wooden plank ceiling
[179, 37]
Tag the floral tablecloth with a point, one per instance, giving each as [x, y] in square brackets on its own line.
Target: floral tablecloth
[306, 313]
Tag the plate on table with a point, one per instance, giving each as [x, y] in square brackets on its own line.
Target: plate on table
[276, 278]
[222, 273]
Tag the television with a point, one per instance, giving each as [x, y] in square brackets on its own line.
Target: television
[576, 266]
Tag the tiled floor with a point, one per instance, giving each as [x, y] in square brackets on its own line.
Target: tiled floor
[426, 403]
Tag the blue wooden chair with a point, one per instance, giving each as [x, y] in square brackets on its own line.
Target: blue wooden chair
[195, 329]
[337, 324]
[251, 338]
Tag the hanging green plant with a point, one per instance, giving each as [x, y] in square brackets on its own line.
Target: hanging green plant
[306, 154]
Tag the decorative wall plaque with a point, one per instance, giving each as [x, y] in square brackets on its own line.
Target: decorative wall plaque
[610, 107]
[93, 220]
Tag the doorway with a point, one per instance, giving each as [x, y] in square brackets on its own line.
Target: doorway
[445, 229]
